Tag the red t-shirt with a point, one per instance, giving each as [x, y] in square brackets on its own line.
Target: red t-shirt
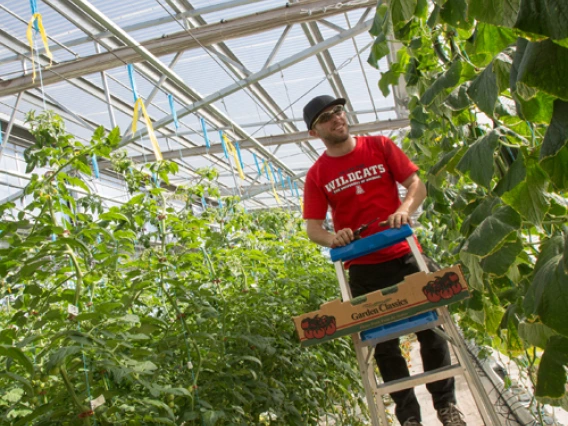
[359, 187]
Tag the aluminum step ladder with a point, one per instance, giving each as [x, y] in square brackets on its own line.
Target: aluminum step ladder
[365, 341]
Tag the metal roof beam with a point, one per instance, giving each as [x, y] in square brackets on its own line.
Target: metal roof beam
[239, 85]
[203, 36]
[287, 138]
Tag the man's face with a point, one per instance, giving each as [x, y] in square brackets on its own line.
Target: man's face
[331, 125]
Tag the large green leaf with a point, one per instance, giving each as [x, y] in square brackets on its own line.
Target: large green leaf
[454, 12]
[448, 80]
[379, 50]
[538, 106]
[516, 174]
[550, 78]
[546, 17]
[535, 334]
[478, 160]
[502, 13]
[493, 231]
[479, 214]
[484, 90]
[402, 11]
[17, 355]
[528, 197]
[490, 39]
[551, 376]
[499, 262]
[554, 151]
[549, 289]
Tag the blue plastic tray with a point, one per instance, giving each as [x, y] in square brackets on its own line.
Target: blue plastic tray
[398, 327]
[371, 244]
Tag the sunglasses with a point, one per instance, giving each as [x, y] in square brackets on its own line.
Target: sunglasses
[324, 117]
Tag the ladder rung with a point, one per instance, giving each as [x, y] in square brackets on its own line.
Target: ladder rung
[419, 379]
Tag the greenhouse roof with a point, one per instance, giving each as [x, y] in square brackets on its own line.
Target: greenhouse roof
[242, 67]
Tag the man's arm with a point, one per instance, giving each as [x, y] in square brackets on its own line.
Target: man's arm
[320, 236]
[415, 195]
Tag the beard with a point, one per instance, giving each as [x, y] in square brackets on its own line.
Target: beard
[336, 138]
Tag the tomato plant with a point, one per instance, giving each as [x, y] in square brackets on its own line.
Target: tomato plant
[173, 317]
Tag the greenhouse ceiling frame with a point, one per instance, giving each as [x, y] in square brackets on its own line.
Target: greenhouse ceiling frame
[121, 48]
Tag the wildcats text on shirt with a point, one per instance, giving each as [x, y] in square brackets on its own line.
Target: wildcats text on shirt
[347, 180]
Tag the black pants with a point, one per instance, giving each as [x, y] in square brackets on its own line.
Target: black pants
[392, 365]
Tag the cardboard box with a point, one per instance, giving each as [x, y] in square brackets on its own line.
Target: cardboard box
[418, 293]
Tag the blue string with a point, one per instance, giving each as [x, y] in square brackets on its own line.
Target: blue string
[281, 179]
[239, 155]
[220, 202]
[173, 111]
[130, 68]
[204, 128]
[33, 6]
[296, 188]
[272, 170]
[203, 202]
[290, 185]
[223, 144]
[0, 134]
[256, 162]
[95, 165]
[266, 171]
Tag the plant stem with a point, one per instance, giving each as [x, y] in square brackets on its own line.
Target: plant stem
[69, 386]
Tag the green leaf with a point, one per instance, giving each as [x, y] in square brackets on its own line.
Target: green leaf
[475, 278]
[551, 376]
[502, 13]
[545, 17]
[379, 50]
[550, 79]
[516, 174]
[113, 215]
[211, 417]
[458, 99]
[528, 197]
[550, 290]
[493, 231]
[478, 160]
[490, 39]
[535, 334]
[17, 378]
[18, 356]
[538, 106]
[500, 261]
[448, 80]
[402, 11]
[454, 12]
[484, 90]
[58, 356]
[554, 151]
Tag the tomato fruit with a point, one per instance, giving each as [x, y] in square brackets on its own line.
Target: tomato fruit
[319, 333]
[331, 328]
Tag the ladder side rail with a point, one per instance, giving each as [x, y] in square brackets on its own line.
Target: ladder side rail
[482, 400]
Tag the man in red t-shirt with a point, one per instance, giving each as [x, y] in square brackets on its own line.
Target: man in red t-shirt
[356, 177]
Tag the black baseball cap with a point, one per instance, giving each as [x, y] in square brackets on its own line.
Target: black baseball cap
[316, 106]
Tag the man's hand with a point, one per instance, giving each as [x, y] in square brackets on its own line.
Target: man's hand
[397, 219]
[341, 238]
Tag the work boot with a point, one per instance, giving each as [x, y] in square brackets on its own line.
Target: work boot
[451, 416]
[412, 422]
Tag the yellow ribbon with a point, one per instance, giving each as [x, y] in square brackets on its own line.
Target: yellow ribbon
[271, 178]
[301, 205]
[29, 34]
[233, 151]
[151, 135]
[275, 194]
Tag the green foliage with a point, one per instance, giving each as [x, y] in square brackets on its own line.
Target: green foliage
[487, 91]
[182, 318]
